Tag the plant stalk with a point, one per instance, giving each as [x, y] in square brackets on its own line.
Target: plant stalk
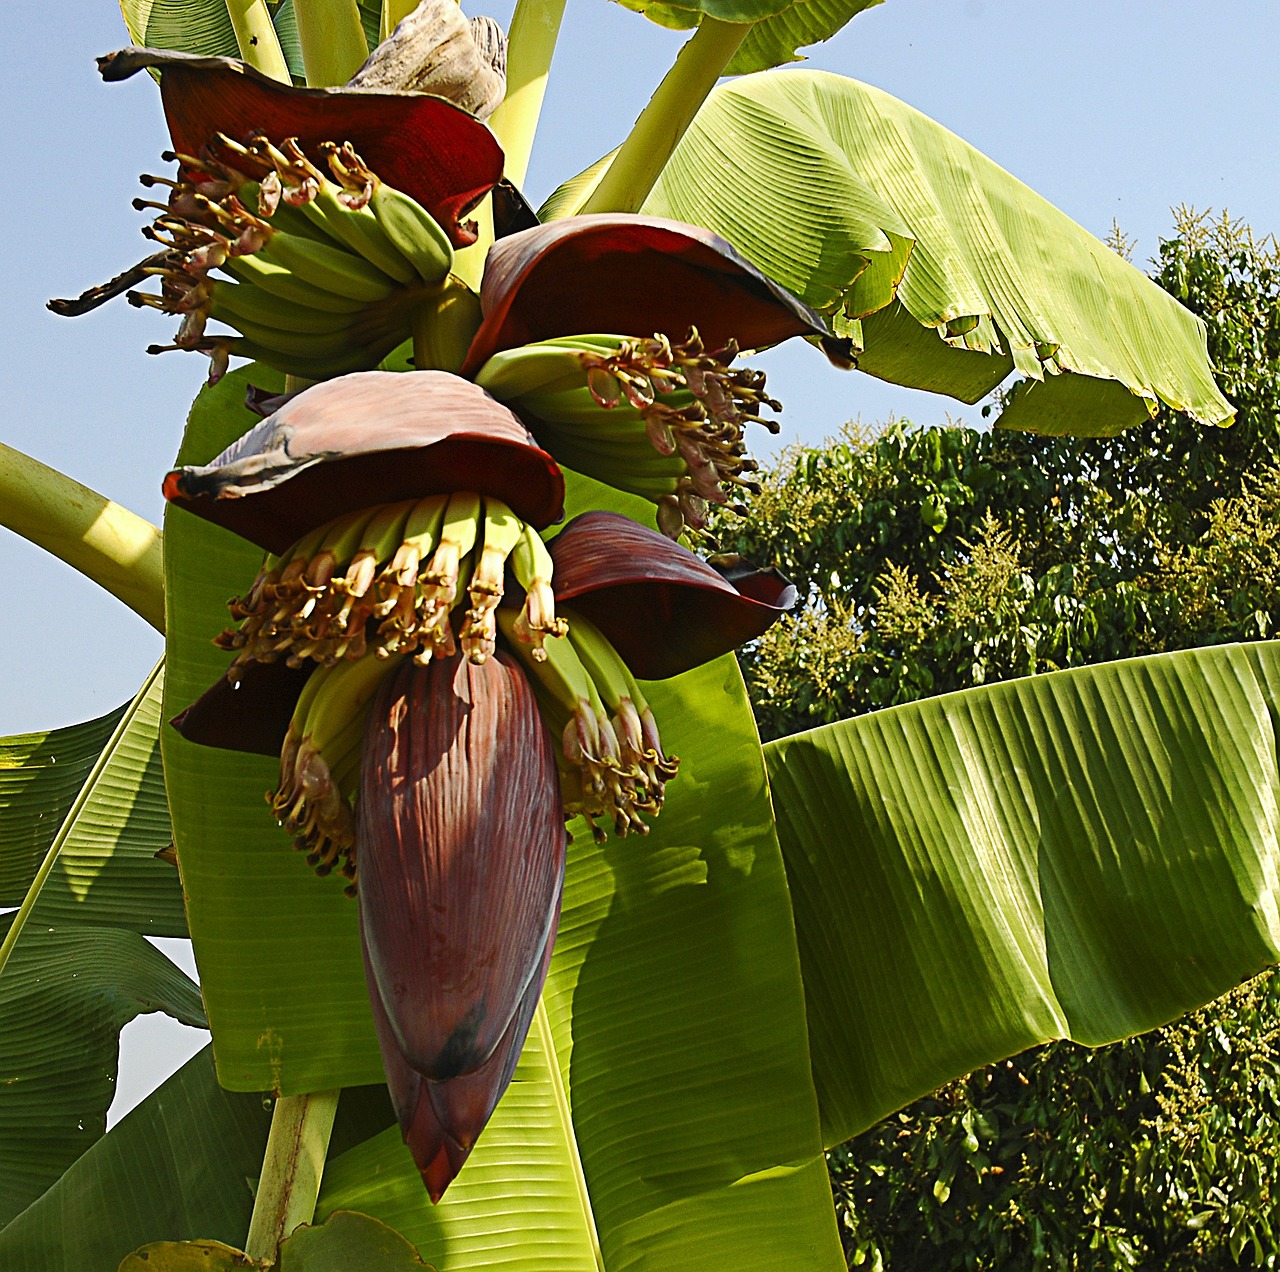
[669, 113]
[114, 547]
[393, 13]
[73, 814]
[531, 44]
[468, 264]
[444, 328]
[332, 39]
[256, 36]
[291, 1170]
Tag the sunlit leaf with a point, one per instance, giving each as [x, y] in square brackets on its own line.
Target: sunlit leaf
[941, 270]
[1085, 854]
[106, 872]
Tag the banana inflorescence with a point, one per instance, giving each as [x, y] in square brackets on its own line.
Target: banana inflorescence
[320, 764]
[386, 580]
[659, 420]
[319, 273]
[422, 578]
[610, 758]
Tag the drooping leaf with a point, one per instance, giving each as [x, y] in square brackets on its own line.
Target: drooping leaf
[178, 1167]
[780, 38]
[674, 998]
[65, 994]
[106, 873]
[40, 776]
[1085, 854]
[942, 270]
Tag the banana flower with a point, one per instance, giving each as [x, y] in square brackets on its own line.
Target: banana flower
[444, 691]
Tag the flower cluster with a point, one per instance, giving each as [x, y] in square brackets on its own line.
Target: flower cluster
[446, 682]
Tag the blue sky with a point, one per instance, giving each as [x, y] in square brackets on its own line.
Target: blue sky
[1109, 111]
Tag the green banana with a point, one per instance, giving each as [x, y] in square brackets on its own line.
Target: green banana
[359, 230]
[312, 368]
[509, 375]
[283, 282]
[413, 231]
[303, 344]
[328, 267]
[231, 302]
[343, 699]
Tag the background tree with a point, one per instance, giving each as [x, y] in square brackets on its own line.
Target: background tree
[933, 560]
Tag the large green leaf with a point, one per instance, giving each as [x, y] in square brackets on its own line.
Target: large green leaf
[179, 1166]
[65, 994]
[779, 27]
[106, 873]
[674, 1006]
[204, 27]
[944, 271]
[1084, 855]
[191, 26]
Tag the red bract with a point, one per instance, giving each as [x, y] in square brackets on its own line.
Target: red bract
[460, 840]
[425, 146]
[631, 276]
[664, 609]
[369, 438]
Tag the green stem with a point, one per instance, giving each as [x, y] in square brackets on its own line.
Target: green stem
[291, 1170]
[73, 815]
[663, 121]
[535, 26]
[468, 264]
[444, 327]
[114, 547]
[332, 39]
[393, 13]
[256, 36]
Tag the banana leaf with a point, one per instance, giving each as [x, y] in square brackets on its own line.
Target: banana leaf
[1079, 855]
[64, 997]
[778, 29]
[106, 873]
[940, 269]
[178, 1166]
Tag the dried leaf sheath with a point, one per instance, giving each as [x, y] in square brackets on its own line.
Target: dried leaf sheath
[461, 848]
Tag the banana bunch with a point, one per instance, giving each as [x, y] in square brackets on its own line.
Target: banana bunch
[385, 581]
[320, 764]
[319, 274]
[658, 420]
[610, 760]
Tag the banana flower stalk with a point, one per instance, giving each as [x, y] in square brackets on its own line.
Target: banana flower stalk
[444, 691]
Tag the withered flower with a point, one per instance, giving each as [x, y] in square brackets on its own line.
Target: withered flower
[438, 711]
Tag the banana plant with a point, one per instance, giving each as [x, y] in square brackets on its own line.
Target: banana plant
[477, 447]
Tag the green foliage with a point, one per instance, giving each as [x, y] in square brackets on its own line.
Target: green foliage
[933, 560]
[1156, 1153]
[938, 559]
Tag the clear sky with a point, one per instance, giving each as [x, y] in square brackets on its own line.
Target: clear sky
[1109, 111]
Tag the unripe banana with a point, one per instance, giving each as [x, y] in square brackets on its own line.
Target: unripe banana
[280, 281]
[358, 229]
[414, 232]
[330, 268]
[231, 302]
